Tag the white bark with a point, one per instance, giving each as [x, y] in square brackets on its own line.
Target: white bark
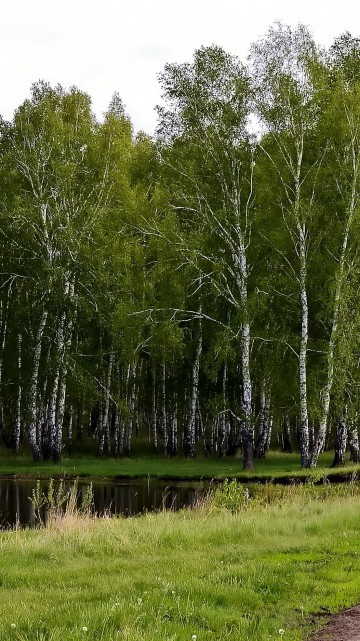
[164, 426]
[340, 440]
[353, 440]
[105, 424]
[304, 418]
[336, 307]
[34, 441]
[4, 325]
[263, 441]
[223, 422]
[189, 444]
[17, 421]
[153, 432]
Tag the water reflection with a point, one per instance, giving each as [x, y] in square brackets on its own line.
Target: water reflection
[126, 498]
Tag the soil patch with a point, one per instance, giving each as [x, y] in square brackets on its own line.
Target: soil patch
[344, 626]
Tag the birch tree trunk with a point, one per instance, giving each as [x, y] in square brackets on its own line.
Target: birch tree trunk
[262, 443]
[153, 431]
[189, 444]
[117, 432]
[340, 280]
[17, 421]
[247, 427]
[247, 432]
[4, 325]
[70, 428]
[353, 440]
[340, 442]
[33, 434]
[64, 344]
[131, 405]
[164, 426]
[287, 445]
[173, 428]
[104, 440]
[223, 423]
[304, 418]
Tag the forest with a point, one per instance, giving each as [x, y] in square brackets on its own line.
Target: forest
[197, 289]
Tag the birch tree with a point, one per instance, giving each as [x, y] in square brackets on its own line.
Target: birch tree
[341, 127]
[207, 159]
[284, 63]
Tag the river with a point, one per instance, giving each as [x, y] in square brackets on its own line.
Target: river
[117, 498]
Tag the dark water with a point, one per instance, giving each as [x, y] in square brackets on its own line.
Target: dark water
[126, 498]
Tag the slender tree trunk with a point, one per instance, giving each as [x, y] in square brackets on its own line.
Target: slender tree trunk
[214, 434]
[202, 428]
[34, 440]
[4, 325]
[173, 428]
[154, 433]
[247, 426]
[104, 432]
[117, 432]
[304, 419]
[189, 431]
[353, 440]
[131, 406]
[64, 344]
[340, 442]
[223, 422]
[164, 427]
[51, 418]
[79, 420]
[17, 422]
[287, 445]
[265, 422]
[70, 427]
[339, 284]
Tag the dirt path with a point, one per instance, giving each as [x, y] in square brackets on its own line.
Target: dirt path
[344, 626]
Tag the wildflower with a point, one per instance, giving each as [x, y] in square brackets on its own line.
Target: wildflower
[139, 600]
[13, 625]
[281, 632]
[194, 637]
[84, 628]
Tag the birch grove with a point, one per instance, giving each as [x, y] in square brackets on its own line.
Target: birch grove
[195, 292]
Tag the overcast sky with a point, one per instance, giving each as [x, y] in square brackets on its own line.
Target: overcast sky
[118, 45]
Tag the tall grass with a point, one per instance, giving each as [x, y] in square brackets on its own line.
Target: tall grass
[59, 504]
[269, 570]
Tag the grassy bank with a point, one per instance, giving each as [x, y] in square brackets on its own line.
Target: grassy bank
[276, 465]
[267, 573]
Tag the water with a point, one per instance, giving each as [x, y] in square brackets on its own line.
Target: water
[125, 498]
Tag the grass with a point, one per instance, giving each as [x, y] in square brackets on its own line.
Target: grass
[270, 572]
[276, 465]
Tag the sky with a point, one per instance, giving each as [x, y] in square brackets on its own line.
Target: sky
[122, 45]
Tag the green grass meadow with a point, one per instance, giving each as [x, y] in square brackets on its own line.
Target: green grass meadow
[270, 572]
[276, 465]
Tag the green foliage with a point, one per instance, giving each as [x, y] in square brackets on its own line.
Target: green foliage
[126, 245]
[232, 496]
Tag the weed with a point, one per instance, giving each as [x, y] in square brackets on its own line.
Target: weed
[59, 503]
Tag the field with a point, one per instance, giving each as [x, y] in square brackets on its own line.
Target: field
[276, 465]
[267, 572]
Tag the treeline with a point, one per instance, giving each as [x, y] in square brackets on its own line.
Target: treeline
[198, 290]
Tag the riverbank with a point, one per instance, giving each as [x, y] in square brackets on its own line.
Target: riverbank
[269, 572]
[276, 467]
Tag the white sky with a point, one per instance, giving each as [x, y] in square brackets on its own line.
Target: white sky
[121, 45]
